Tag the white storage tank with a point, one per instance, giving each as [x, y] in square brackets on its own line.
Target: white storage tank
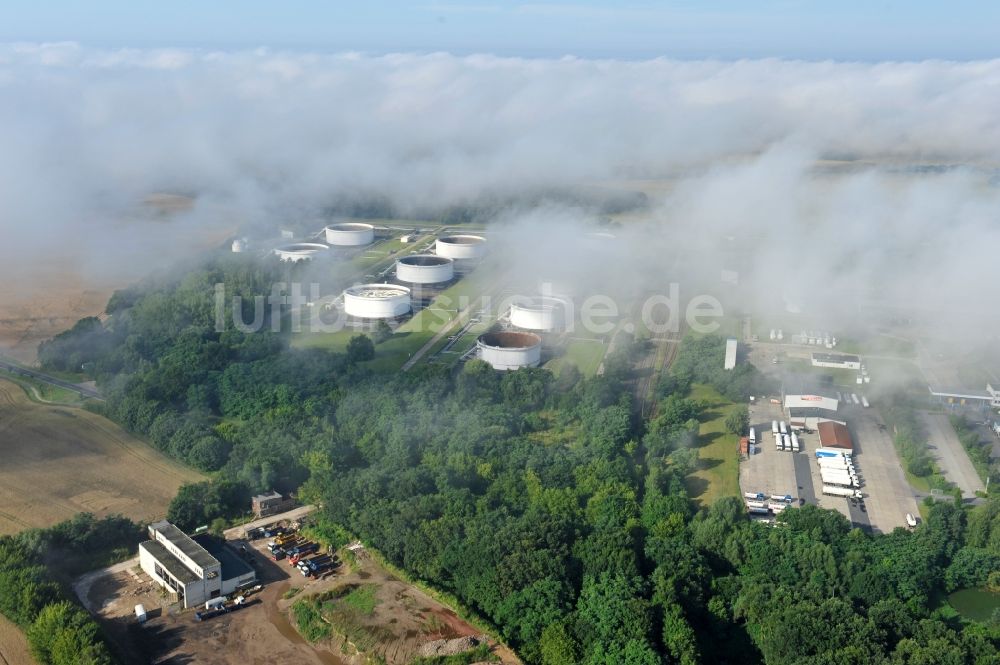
[461, 247]
[350, 234]
[510, 350]
[376, 301]
[300, 251]
[541, 313]
[425, 269]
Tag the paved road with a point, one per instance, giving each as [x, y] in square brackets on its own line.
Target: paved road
[803, 476]
[947, 450]
[238, 532]
[45, 378]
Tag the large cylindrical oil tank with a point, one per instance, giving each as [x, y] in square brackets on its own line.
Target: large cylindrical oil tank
[461, 247]
[300, 251]
[540, 313]
[376, 301]
[425, 269]
[350, 234]
[507, 350]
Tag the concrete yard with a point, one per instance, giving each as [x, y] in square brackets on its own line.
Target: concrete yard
[888, 496]
[769, 471]
[951, 458]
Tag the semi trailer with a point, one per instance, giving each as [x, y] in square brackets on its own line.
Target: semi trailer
[841, 491]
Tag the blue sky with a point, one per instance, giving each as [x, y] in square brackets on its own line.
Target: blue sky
[865, 30]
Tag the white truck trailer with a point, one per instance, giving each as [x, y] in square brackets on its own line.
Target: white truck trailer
[795, 443]
[774, 426]
[841, 491]
[782, 427]
[758, 496]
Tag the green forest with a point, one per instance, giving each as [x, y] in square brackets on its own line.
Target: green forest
[540, 501]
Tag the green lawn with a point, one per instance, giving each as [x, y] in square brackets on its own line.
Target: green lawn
[585, 355]
[718, 461]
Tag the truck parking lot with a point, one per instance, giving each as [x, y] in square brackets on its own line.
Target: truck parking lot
[769, 471]
[888, 497]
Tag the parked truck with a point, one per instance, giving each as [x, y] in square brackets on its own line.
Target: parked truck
[830, 490]
[795, 443]
[832, 452]
[756, 504]
[783, 428]
[833, 462]
[757, 496]
[753, 435]
[774, 426]
[864, 402]
[786, 498]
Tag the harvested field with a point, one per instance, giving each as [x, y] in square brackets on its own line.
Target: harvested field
[13, 645]
[59, 461]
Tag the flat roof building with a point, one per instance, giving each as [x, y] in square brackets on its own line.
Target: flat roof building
[272, 503]
[187, 569]
[989, 398]
[836, 360]
[731, 345]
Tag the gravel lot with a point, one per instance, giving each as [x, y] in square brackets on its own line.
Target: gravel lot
[952, 459]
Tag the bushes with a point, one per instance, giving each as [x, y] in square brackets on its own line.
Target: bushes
[198, 504]
[909, 437]
[58, 631]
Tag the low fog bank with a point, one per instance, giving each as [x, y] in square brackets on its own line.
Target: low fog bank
[739, 154]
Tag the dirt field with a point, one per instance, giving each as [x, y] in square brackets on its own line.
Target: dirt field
[403, 619]
[13, 645]
[59, 461]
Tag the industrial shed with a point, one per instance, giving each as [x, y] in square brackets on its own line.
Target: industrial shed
[834, 435]
[187, 569]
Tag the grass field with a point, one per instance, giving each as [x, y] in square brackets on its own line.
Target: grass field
[59, 461]
[40, 391]
[718, 463]
[585, 354]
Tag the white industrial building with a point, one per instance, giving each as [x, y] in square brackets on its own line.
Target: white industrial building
[989, 398]
[836, 361]
[731, 346]
[187, 569]
[808, 409]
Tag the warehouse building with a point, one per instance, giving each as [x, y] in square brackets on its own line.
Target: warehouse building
[187, 569]
[731, 345]
[807, 401]
[833, 434]
[836, 361]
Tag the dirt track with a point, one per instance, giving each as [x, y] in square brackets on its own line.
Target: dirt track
[59, 461]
